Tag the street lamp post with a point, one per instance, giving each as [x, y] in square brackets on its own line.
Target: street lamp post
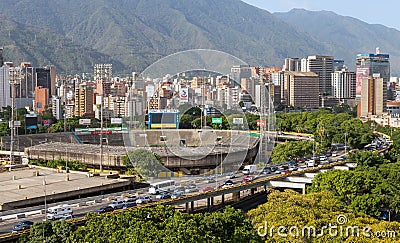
[219, 138]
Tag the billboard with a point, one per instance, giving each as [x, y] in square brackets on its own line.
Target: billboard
[184, 95]
[163, 119]
[361, 72]
[116, 120]
[237, 121]
[31, 121]
[84, 121]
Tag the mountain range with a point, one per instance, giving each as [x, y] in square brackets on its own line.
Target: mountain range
[132, 34]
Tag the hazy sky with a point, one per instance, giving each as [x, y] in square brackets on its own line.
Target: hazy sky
[384, 12]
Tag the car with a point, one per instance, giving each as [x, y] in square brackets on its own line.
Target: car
[66, 217]
[105, 209]
[179, 188]
[118, 204]
[248, 178]
[228, 182]
[230, 175]
[210, 179]
[227, 185]
[129, 205]
[266, 170]
[144, 199]
[285, 172]
[178, 194]
[22, 225]
[302, 167]
[293, 168]
[207, 188]
[130, 198]
[163, 195]
[191, 190]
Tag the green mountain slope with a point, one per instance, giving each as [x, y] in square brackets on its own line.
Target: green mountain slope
[137, 33]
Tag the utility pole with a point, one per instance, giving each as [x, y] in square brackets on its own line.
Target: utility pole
[14, 77]
[101, 131]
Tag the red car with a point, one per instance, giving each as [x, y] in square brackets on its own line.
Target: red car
[207, 188]
[248, 178]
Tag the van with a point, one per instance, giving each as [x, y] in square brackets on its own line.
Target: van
[58, 211]
[249, 169]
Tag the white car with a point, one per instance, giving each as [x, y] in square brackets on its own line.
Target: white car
[144, 199]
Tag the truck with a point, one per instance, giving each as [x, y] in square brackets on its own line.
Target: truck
[249, 169]
[59, 211]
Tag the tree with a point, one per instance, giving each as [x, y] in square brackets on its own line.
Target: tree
[313, 218]
[145, 162]
[291, 150]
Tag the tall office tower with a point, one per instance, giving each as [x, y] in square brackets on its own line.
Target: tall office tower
[323, 67]
[344, 84]
[103, 75]
[338, 65]
[369, 64]
[83, 101]
[292, 64]
[372, 96]
[46, 77]
[301, 89]
[25, 90]
[1, 57]
[239, 72]
[5, 87]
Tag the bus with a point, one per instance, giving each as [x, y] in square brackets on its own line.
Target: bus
[157, 187]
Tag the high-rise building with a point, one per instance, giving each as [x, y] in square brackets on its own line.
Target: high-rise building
[323, 67]
[41, 99]
[84, 101]
[344, 84]
[46, 77]
[301, 89]
[239, 72]
[292, 64]
[338, 65]
[103, 75]
[369, 64]
[56, 107]
[372, 96]
[5, 87]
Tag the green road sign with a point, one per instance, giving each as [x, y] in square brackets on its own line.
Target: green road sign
[254, 134]
[216, 120]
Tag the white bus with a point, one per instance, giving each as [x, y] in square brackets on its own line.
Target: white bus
[157, 187]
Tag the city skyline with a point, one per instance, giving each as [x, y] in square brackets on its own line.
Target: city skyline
[356, 9]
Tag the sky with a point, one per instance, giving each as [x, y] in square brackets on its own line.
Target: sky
[383, 12]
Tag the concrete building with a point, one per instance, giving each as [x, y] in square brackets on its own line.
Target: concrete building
[56, 107]
[5, 87]
[323, 67]
[372, 97]
[301, 89]
[292, 64]
[368, 64]
[344, 84]
[84, 101]
[239, 72]
[41, 99]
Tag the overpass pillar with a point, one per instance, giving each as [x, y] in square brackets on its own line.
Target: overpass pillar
[223, 198]
[236, 196]
[212, 201]
[192, 206]
[209, 204]
[252, 191]
[304, 189]
[187, 207]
